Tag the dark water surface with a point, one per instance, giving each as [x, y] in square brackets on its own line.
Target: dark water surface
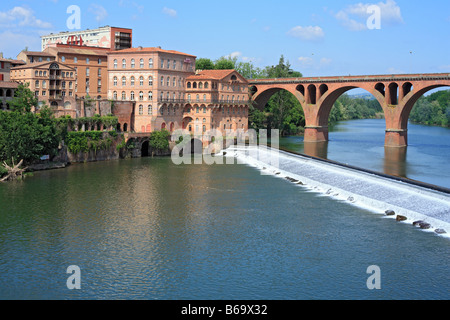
[148, 229]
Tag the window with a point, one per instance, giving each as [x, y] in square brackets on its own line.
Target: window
[141, 81]
[198, 99]
[99, 61]
[124, 95]
[150, 110]
[132, 95]
[132, 81]
[162, 63]
[200, 85]
[63, 59]
[36, 84]
[63, 84]
[44, 84]
[115, 95]
[124, 81]
[87, 60]
[115, 63]
[141, 96]
[204, 99]
[36, 73]
[115, 81]
[132, 63]
[174, 82]
[168, 64]
[141, 110]
[206, 85]
[141, 63]
[188, 85]
[40, 73]
[162, 81]
[150, 63]
[174, 64]
[87, 72]
[99, 72]
[150, 81]
[168, 81]
[75, 60]
[124, 64]
[150, 95]
[70, 85]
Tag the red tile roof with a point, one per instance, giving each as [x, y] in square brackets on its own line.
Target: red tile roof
[9, 84]
[148, 50]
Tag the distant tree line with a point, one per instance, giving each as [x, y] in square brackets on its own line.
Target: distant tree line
[432, 110]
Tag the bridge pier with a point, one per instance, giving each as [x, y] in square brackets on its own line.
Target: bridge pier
[316, 133]
[396, 138]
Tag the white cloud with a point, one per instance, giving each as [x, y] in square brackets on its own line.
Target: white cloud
[99, 12]
[307, 33]
[354, 17]
[170, 12]
[13, 43]
[22, 17]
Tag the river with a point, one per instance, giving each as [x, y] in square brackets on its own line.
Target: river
[361, 143]
[149, 229]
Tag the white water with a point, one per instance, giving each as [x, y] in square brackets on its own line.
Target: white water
[370, 191]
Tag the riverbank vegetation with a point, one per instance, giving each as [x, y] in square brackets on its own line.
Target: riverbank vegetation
[25, 136]
[433, 109]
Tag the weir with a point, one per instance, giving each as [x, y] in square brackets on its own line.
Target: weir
[375, 192]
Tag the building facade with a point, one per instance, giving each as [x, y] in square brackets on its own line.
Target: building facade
[150, 77]
[112, 38]
[5, 67]
[53, 84]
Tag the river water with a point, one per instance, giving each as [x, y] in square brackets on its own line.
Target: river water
[149, 229]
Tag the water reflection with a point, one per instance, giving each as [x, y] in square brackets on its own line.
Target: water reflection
[395, 161]
[316, 149]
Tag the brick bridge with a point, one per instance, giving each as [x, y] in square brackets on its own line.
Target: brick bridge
[396, 94]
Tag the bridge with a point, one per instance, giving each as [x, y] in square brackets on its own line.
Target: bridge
[396, 94]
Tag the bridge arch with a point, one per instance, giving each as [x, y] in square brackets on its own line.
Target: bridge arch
[261, 98]
[329, 99]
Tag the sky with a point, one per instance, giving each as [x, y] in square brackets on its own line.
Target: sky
[318, 38]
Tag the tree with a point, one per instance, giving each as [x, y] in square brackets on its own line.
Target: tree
[159, 140]
[24, 99]
[204, 64]
[225, 63]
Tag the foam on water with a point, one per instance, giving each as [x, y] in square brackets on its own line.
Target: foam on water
[368, 191]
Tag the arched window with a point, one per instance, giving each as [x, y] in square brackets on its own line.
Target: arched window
[198, 98]
[115, 95]
[206, 85]
[124, 64]
[150, 81]
[168, 81]
[141, 96]
[132, 81]
[161, 110]
[141, 81]
[194, 85]
[150, 63]
[141, 110]
[124, 81]
[150, 95]
[162, 81]
[200, 85]
[115, 81]
[36, 83]
[174, 82]
[141, 63]
[150, 110]
[204, 109]
[204, 97]
[132, 63]
[124, 95]
[63, 59]
[132, 95]
[188, 85]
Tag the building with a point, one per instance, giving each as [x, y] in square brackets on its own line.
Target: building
[105, 37]
[216, 99]
[7, 89]
[90, 65]
[152, 78]
[5, 67]
[53, 84]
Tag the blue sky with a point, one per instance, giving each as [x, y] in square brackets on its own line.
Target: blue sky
[319, 38]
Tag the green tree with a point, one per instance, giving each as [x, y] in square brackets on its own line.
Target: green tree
[23, 99]
[159, 140]
[225, 63]
[204, 64]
